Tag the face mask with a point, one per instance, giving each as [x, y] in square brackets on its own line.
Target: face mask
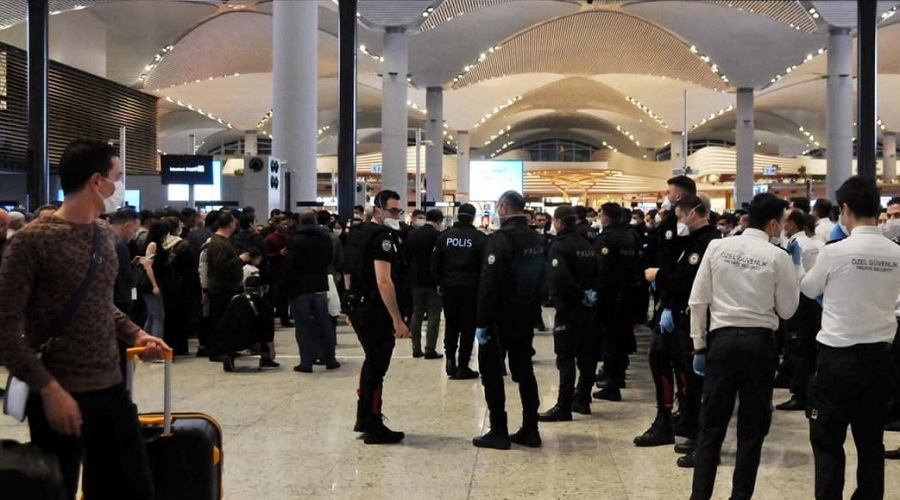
[658, 218]
[683, 229]
[337, 230]
[666, 205]
[597, 224]
[721, 229]
[891, 229]
[634, 222]
[419, 222]
[115, 200]
[392, 224]
[552, 231]
[495, 222]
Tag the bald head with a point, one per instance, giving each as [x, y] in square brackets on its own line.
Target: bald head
[4, 222]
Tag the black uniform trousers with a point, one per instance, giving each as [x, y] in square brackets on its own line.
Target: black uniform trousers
[375, 331]
[513, 334]
[740, 361]
[575, 346]
[852, 386]
[800, 344]
[662, 349]
[690, 385]
[618, 335]
[111, 446]
[460, 307]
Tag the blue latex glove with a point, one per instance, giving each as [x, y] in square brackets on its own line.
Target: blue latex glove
[820, 299]
[653, 285]
[700, 364]
[481, 336]
[796, 253]
[666, 321]
[590, 298]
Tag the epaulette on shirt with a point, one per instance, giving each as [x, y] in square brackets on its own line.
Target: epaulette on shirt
[834, 241]
[780, 248]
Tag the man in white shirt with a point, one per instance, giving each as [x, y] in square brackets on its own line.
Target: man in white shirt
[745, 284]
[800, 331]
[860, 279]
[822, 214]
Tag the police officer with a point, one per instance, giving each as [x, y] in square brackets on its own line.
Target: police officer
[801, 330]
[585, 227]
[456, 266]
[375, 314]
[693, 220]
[618, 273]
[744, 284]
[854, 368]
[511, 279]
[572, 275]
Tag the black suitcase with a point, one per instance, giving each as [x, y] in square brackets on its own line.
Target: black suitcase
[184, 449]
[27, 473]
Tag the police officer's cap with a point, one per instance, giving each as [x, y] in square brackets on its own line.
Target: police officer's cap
[467, 211]
[564, 212]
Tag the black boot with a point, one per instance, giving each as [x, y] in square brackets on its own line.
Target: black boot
[659, 433]
[609, 394]
[686, 448]
[559, 413]
[465, 373]
[581, 403]
[378, 433]
[688, 461]
[527, 435]
[360, 425]
[450, 366]
[498, 437]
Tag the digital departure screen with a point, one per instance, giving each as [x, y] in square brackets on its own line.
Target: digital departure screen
[186, 169]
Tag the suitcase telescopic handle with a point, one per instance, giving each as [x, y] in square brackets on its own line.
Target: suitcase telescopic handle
[131, 356]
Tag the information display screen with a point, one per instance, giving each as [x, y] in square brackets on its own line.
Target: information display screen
[490, 178]
[186, 169]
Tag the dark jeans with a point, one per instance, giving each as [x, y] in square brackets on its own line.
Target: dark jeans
[313, 329]
[218, 304]
[851, 387]
[115, 461]
[279, 298]
[425, 299]
[575, 346]
[513, 334]
[800, 345]
[375, 331]
[740, 361]
[460, 307]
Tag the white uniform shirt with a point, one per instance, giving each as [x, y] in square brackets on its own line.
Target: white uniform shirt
[860, 278]
[809, 251]
[745, 282]
[823, 230]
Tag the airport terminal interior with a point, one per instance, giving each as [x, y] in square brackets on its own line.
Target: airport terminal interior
[291, 105]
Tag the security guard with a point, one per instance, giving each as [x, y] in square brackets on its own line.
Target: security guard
[854, 371]
[801, 330]
[693, 219]
[511, 279]
[744, 284]
[456, 266]
[617, 274]
[662, 253]
[375, 314]
[571, 276]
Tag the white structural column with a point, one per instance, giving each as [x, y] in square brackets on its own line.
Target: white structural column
[676, 148]
[434, 155]
[462, 166]
[251, 143]
[394, 116]
[295, 93]
[889, 165]
[839, 165]
[746, 145]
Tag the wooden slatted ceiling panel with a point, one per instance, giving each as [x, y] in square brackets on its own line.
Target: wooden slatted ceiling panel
[591, 43]
[843, 12]
[788, 12]
[387, 13]
[13, 12]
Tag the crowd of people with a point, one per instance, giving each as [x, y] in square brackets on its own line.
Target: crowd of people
[737, 304]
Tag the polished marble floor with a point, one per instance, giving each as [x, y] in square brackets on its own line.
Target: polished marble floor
[288, 435]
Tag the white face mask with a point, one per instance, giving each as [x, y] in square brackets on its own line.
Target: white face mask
[635, 222]
[419, 222]
[683, 229]
[392, 224]
[891, 229]
[115, 200]
[658, 218]
[666, 205]
[721, 228]
[496, 222]
[597, 224]
[552, 231]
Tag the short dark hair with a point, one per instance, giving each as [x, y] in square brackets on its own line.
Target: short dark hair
[684, 182]
[801, 202]
[800, 219]
[147, 216]
[728, 218]
[638, 212]
[861, 195]
[274, 213]
[82, 159]
[613, 211]
[417, 212]
[894, 201]
[188, 214]
[359, 208]
[384, 196]
[225, 219]
[308, 217]
[247, 219]
[434, 215]
[580, 212]
[822, 208]
[514, 200]
[765, 207]
[323, 217]
[123, 216]
[566, 214]
[692, 202]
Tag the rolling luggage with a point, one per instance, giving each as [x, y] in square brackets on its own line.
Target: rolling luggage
[27, 473]
[184, 449]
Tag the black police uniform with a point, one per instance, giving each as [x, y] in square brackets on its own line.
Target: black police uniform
[618, 273]
[456, 266]
[642, 291]
[511, 280]
[572, 270]
[587, 231]
[370, 317]
[679, 283]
